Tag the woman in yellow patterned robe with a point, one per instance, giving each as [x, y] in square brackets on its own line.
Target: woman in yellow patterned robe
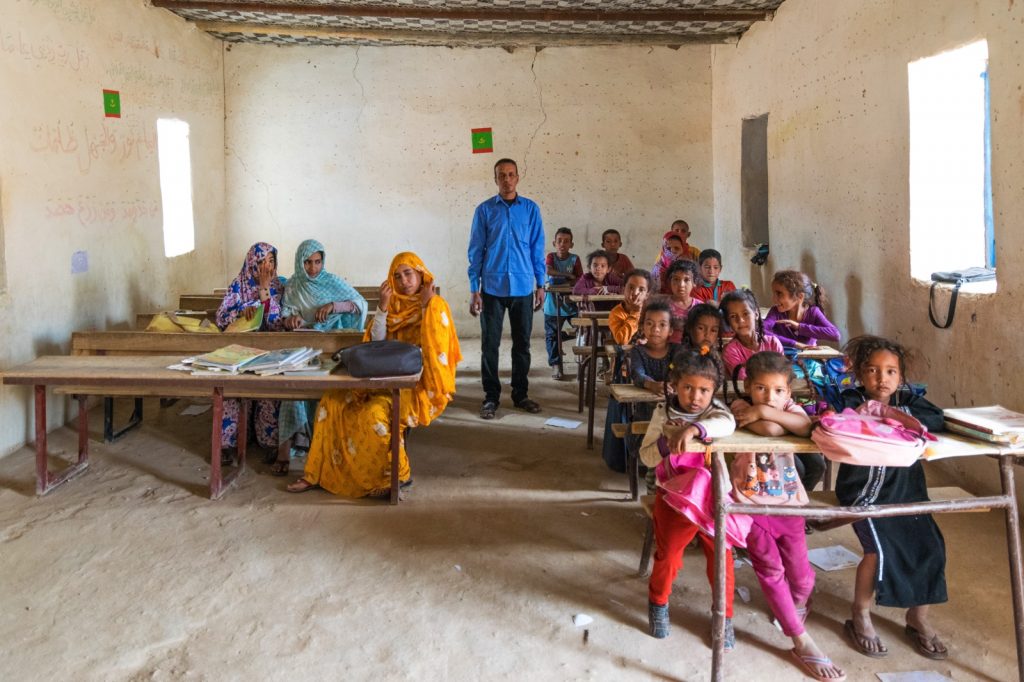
[350, 453]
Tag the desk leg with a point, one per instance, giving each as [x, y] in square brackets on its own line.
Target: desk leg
[243, 431]
[592, 382]
[718, 594]
[218, 482]
[395, 444]
[1006, 463]
[45, 481]
[558, 334]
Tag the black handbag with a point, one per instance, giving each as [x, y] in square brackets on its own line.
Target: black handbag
[956, 278]
[381, 359]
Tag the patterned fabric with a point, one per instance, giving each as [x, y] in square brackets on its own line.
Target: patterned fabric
[350, 453]
[244, 291]
[262, 417]
[304, 295]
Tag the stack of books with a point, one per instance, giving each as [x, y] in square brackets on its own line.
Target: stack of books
[993, 424]
[237, 359]
[230, 359]
[285, 360]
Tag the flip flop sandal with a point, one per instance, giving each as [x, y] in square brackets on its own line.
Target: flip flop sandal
[811, 664]
[858, 640]
[929, 648]
[304, 488]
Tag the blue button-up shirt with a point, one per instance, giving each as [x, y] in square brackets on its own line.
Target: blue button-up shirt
[506, 247]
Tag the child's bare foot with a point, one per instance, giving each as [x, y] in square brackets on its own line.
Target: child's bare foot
[862, 635]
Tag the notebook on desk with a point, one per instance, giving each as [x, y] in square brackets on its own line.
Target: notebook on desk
[993, 423]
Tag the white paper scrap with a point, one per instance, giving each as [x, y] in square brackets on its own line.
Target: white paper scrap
[744, 593]
[833, 558]
[581, 619]
[194, 410]
[562, 423]
[914, 676]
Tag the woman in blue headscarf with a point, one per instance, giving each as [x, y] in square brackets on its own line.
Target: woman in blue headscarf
[313, 299]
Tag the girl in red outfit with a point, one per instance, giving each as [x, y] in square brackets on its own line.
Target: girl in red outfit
[674, 443]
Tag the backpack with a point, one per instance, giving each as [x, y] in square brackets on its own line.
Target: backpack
[690, 494]
[767, 478]
[872, 435]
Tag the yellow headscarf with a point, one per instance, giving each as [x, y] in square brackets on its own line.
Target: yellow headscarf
[433, 330]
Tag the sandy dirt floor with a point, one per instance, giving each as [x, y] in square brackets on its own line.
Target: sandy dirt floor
[130, 573]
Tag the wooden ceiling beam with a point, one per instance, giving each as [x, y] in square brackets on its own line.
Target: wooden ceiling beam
[466, 38]
[469, 14]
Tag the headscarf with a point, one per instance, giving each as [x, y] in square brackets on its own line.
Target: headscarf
[666, 257]
[244, 290]
[304, 295]
[433, 330]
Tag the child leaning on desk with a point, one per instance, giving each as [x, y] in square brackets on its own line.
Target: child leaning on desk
[776, 544]
[904, 562]
[675, 443]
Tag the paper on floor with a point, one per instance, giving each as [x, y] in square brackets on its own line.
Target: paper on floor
[194, 410]
[581, 619]
[914, 676]
[833, 558]
[562, 423]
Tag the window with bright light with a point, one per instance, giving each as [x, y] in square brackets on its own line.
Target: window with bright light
[175, 186]
[950, 182]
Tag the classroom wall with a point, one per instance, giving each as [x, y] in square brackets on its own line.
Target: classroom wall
[72, 180]
[832, 77]
[369, 151]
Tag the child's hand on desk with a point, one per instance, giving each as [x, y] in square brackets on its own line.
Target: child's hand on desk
[682, 437]
[249, 312]
[746, 413]
[294, 322]
[655, 387]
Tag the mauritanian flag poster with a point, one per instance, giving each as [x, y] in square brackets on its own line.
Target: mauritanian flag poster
[112, 103]
[483, 143]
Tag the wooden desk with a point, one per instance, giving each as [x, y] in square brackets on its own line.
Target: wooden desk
[199, 301]
[184, 344]
[947, 446]
[818, 353]
[595, 320]
[148, 375]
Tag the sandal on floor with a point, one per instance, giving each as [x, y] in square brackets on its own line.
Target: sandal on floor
[932, 648]
[280, 467]
[859, 642]
[301, 486]
[812, 664]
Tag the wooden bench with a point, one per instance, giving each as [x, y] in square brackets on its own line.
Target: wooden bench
[135, 343]
[208, 301]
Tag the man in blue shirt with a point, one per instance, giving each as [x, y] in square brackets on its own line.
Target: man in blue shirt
[506, 273]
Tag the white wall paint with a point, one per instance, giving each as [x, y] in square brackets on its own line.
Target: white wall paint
[833, 78]
[72, 180]
[369, 150]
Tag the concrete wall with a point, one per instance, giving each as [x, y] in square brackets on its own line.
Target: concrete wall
[368, 149]
[833, 78]
[72, 180]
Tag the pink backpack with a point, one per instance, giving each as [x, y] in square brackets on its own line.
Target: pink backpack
[691, 494]
[872, 435]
